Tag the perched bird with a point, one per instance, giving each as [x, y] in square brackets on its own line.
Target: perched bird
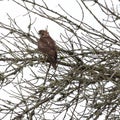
[47, 47]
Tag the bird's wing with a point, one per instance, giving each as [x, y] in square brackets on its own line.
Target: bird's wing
[47, 45]
[50, 43]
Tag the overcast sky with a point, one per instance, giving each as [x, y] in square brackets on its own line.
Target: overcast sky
[72, 7]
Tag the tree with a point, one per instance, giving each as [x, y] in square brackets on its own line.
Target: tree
[86, 83]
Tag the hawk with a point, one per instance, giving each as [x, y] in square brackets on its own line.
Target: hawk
[48, 47]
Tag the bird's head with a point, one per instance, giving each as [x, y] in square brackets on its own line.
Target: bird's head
[43, 33]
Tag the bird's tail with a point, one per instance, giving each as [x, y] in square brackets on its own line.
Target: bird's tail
[54, 64]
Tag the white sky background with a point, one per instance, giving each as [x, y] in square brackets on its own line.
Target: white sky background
[70, 6]
[17, 12]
